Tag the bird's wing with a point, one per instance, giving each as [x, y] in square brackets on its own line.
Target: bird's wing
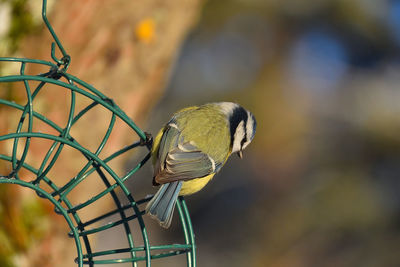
[168, 141]
[184, 162]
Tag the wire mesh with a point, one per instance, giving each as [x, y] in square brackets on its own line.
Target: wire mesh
[33, 126]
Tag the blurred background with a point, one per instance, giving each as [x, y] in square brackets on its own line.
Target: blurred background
[319, 185]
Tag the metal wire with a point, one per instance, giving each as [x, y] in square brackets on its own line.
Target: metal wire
[46, 187]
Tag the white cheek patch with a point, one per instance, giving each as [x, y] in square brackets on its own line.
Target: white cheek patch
[238, 137]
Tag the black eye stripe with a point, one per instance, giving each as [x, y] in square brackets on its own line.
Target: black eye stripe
[239, 114]
[244, 140]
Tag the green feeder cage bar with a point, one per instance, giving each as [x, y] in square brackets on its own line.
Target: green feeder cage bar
[60, 138]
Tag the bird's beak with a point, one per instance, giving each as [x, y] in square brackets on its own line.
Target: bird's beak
[240, 154]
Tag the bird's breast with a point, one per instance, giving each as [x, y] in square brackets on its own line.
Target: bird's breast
[192, 186]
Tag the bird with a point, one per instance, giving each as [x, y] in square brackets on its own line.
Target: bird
[191, 148]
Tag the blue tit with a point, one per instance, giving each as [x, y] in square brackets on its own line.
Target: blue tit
[192, 147]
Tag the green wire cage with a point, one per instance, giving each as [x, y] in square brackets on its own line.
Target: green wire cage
[40, 178]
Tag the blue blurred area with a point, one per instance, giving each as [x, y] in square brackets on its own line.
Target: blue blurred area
[318, 61]
[393, 20]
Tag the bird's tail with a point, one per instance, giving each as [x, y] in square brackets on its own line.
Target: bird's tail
[162, 205]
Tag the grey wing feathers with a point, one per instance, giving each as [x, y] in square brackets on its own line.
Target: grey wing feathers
[187, 164]
[180, 160]
[168, 141]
